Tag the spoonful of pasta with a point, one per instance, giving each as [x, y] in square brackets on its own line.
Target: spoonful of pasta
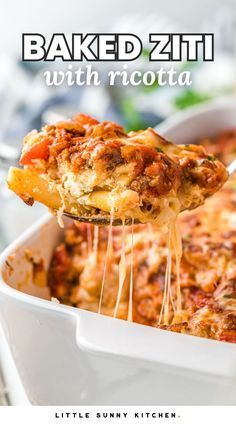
[95, 172]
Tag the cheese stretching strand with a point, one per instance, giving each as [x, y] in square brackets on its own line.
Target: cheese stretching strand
[122, 271]
[108, 253]
[131, 281]
[177, 247]
[174, 245]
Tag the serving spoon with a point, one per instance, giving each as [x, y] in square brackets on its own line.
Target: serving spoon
[106, 220]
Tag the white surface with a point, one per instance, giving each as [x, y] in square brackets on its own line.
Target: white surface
[120, 414]
[12, 392]
[68, 356]
[200, 121]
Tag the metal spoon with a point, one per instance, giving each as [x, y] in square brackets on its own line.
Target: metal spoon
[101, 219]
[231, 168]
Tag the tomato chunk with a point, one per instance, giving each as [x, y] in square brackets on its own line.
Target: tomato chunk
[38, 150]
[85, 120]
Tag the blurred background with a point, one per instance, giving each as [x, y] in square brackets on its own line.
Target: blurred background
[27, 103]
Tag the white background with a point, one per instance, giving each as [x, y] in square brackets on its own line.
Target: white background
[17, 16]
[184, 414]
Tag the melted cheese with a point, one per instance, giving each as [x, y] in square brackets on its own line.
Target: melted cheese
[108, 252]
[174, 244]
[106, 200]
[127, 204]
[131, 283]
[95, 242]
[122, 271]
[164, 313]
[118, 202]
[89, 238]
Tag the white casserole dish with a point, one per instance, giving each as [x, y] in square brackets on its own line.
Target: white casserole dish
[64, 355]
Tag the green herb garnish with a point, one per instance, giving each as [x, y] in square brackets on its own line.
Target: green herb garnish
[189, 98]
[131, 114]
